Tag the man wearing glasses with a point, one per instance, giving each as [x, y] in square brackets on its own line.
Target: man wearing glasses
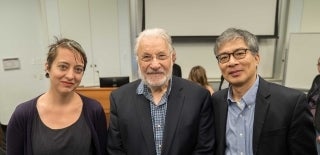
[159, 114]
[253, 116]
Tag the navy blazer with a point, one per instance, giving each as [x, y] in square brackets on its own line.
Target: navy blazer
[282, 121]
[188, 126]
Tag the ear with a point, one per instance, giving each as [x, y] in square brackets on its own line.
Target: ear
[257, 58]
[46, 67]
[174, 56]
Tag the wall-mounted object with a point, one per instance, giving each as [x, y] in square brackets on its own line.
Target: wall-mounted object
[11, 63]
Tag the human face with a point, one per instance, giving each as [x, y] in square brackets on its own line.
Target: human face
[154, 61]
[66, 71]
[242, 71]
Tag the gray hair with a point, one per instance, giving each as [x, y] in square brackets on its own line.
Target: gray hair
[233, 34]
[154, 32]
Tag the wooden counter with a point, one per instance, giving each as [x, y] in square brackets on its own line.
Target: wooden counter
[100, 94]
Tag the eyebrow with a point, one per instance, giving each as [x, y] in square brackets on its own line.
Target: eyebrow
[159, 52]
[67, 63]
[232, 51]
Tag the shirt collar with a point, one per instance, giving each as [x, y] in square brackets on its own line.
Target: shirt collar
[249, 97]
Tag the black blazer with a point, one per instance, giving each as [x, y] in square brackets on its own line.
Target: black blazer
[176, 70]
[188, 128]
[282, 121]
[314, 104]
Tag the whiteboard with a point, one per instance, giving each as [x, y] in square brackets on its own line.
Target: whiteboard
[211, 17]
[302, 58]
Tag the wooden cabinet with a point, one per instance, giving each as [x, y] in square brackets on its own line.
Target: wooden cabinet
[100, 94]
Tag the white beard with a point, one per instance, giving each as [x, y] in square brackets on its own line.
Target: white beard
[152, 83]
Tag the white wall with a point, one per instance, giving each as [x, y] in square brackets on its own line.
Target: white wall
[301, 48]
[23, 35]
[310, 16]
[302, 59]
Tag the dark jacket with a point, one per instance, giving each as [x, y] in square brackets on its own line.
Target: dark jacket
[313, 97]
[188, 127]
[282, 121]
[176, 70]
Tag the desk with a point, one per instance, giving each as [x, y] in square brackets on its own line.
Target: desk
[100, 94]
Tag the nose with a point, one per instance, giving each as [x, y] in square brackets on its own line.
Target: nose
[232, 60]
[70, 74]
[155, 63]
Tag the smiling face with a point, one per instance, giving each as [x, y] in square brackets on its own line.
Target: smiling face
[66, 71]
[154, 61]
[242, 71]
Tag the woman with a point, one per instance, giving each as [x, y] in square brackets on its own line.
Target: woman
[198, 74]
[60, 121]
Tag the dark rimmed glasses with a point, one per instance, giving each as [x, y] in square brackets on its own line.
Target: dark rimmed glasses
[237, 54]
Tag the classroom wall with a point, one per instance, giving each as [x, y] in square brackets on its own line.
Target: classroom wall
[310, 17]
[22, 36]
[27, 27]
[302, 60]
[303, 36]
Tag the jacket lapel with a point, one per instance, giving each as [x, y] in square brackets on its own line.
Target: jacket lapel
[220, 114]
[261, 110]
[224, 114]
[143, 111]
[174, 108]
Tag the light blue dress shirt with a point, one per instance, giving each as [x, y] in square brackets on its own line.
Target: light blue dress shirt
[240, 122]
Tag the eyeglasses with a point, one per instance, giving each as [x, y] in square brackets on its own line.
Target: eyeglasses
[237, 54]
[149, 57]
